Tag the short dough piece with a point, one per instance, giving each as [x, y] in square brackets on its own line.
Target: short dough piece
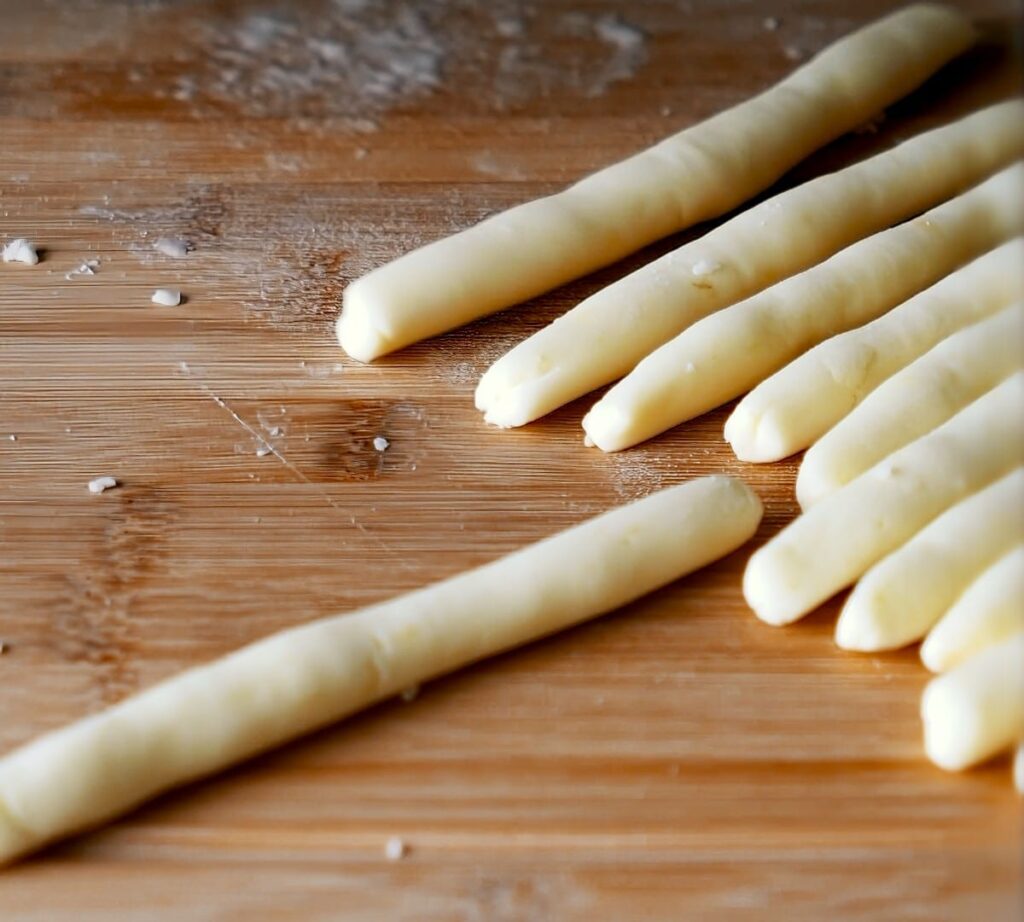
[990, 610]
[914, 401]
[831, 545]
[298, 680]
[605, 336]
[799, 404]
[902, 596]
[690, 177]
[1018, 768]
[976, 710]
[724, 355]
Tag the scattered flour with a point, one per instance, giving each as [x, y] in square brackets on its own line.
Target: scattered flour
[395, 849]
[380, 443]
[20, 251]
[166, 297]
[171, 246]
[99, 484]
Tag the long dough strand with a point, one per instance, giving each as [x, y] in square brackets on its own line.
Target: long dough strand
[914, 401]
[903, 595]
[800, 403]
[727, 353]
[298, 680]
[833, 543]
[990, 610]
[976, 710]
[692, 176]
[604, 336]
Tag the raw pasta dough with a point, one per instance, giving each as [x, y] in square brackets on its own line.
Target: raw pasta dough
[723, 355]
[976, 710]
[902, 596]
[834, 542]
[604, 337]
[694, 175]
[800, 403]
[914, 401]
[304, 678]
[990, 610]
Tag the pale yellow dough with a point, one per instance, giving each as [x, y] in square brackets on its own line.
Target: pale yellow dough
[799, 404]
[976, 710]
[298, 680]
[832, 544]
[903, 595]
[604, 337]
[914, 401]
[724, 355]
[989, 610]
[690, 177]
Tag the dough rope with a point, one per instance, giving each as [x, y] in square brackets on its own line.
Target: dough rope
[694, 175]
[304, 678]
[727, 353]
[606, 335]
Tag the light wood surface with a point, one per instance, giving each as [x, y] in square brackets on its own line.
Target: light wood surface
[674, 760]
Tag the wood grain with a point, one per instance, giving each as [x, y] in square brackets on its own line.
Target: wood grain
[674, 760]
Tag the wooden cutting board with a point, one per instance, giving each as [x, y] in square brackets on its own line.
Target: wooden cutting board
[676, 760]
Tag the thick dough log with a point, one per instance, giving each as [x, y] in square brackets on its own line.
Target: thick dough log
[800, 403]
[976, 710]
[903, 595]
[832, 544]
[692, 176]
[603, 337]
[298, 680]
[724, 355]
[989, 610]
[914, 401]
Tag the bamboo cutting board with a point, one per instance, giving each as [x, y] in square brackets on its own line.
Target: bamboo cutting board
[675, 760]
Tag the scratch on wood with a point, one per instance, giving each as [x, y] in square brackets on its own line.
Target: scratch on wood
[276, 452]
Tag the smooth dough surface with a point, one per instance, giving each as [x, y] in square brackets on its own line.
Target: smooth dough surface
[606, 335]
[796, 406]
[903, 595]
[989, 610]
[727, 353]
[694, 175]
[976, 710]
[914, 401]
[298, 680]
[832, 544]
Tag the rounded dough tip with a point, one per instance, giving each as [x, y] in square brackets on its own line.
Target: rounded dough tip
[947, 721]
[933, 656]
[857, 632]
[355, 332]
[607, 427]
[762, 593]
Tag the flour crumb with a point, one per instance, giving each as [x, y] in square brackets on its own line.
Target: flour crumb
[99, 484]
[411, 693]
[166, 297]
[380, 443]
[13, 437]
[171, 246]
[395, 849]
[793, 53]
[705, 267]
[771, 23]
[87, 267]
[263, 450]
[20, 251]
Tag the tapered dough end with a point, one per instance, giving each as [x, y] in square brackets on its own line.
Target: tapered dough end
[755, 438]
[976, 710]
[608, 428]
[356, 332]
[14, 840]
[772, 589]
[813, 485]
[859, 632]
